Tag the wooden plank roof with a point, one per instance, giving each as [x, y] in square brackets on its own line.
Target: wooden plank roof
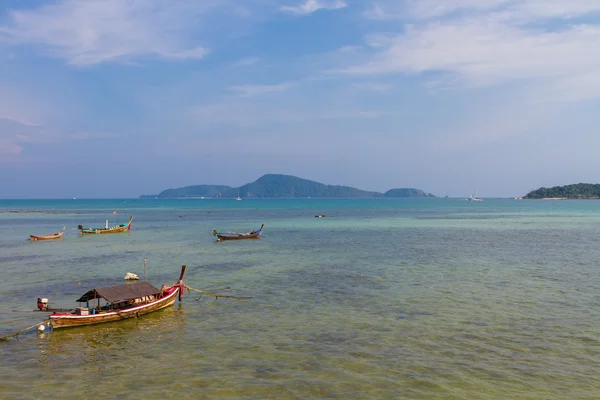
[120, 292]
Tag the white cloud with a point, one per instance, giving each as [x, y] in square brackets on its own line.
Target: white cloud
[511, 9]
[310, 6]
[95, 31]
[486, 53]
[489, 42]
[532, 10]
[17, 121]
[257, 90]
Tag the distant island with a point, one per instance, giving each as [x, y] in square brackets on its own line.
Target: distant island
[576, 191]
[407, 193]
[276, 185]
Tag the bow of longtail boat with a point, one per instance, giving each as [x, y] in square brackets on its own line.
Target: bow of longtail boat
[123, 302]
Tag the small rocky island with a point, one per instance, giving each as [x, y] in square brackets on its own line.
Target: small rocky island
[575, 191]
[407, 192]
[277, 186]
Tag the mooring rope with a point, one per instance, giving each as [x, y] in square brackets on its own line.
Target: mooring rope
[5, 338]
[216, 295]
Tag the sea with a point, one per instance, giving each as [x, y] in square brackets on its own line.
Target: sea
[420, 298]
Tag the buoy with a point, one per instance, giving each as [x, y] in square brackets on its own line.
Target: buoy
[130, 276]
[41, 328]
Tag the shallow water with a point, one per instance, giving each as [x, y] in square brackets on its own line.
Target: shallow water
[420, 299]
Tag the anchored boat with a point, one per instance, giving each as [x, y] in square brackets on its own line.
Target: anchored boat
[51, 236]
[114, 229]
[121, 302]
[238, 236]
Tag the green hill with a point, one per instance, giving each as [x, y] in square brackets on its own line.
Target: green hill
[194, 191]
[406, 192]
[576, 191]
[275, 185]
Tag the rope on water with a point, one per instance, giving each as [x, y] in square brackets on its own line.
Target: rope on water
[216, 295]
[5, 338]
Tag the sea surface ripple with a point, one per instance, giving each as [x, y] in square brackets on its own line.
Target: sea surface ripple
[381, 299]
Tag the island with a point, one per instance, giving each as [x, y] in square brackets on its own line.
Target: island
[575, 191]
[405, 192]
[280, 186]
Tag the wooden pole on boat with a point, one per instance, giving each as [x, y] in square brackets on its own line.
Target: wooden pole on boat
[180, 282]
[183, 269]
[145, 270]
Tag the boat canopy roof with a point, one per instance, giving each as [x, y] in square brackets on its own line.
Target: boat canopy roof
[121, 292]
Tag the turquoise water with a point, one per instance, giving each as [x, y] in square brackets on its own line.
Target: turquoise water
[419, 299]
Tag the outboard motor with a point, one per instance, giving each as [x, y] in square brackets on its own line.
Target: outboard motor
[42, 304]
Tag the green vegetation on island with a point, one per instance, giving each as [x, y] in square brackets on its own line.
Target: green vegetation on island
[575, 191]
[275, 185]
[407, 193]
[192, 191]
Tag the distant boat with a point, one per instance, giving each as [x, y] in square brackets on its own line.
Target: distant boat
[114, 229]
[238, 198]
[474, 197]
[238, 236]
[56, 235]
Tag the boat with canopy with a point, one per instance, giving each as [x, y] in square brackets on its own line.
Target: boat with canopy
[120, 302]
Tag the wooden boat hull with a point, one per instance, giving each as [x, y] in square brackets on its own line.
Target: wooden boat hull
[224, 236]
[46, 237]
[98, 231]
[52, 236]
[239, 236]
[66, 320]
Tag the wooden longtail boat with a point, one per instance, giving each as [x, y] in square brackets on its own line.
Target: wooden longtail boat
[123, 301]
[112, 229]
[239, 236]
[56, 235]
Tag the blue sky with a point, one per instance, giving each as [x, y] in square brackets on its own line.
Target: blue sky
[116, 98]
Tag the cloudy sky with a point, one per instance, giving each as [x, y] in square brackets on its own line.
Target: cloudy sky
[117, 98]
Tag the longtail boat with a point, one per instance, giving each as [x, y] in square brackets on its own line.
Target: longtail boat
[51, 236]
[238, 236]
[122, 302]
[113, 229]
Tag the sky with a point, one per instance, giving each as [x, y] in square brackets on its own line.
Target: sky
[115, 98]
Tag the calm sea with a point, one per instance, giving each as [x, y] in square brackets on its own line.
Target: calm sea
[381, 299]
